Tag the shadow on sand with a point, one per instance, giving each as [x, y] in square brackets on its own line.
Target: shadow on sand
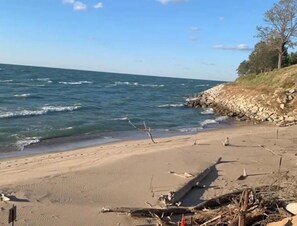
[194, 196]
[15, 199]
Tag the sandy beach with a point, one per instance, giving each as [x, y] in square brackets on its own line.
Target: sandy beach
[70, 188]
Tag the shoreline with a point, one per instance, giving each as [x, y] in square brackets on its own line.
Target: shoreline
[70, 188]
[68, 143]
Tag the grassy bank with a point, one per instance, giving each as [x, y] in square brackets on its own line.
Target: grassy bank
[285, 78]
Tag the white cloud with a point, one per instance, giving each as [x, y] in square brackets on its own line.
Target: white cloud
[164, 2]
[68, 1]
[78, 6]
[193, 29]
[99, 5]
[240, 47]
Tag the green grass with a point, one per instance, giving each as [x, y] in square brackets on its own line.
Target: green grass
[285, 78]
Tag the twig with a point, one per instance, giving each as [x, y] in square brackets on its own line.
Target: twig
[280, 164]
[151, 186]
[211, 220]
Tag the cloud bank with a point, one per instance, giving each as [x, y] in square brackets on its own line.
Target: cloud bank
[77, 5]
[240, 47]
[164, 2]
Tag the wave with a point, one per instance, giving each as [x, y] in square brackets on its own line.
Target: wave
[120, 119]
[41, 111]
[21, 144]
[151, 85]
[76, 83]
[208, 121]
[170, 105]
[67, 128]
[221, 118]
[214, 121]
[208, 111]
[43, 79]
[6, 81]
[202, 85]
[137, 84]
[190, 130]
[22, 95]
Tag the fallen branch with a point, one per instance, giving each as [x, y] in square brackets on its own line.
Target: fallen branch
[147, 212]
[164, 212]
[175, 196]
[146, 129]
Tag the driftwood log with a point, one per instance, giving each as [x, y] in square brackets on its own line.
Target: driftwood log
[175, 196]
[163, 212]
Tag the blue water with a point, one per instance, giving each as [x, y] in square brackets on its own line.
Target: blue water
[38, 105]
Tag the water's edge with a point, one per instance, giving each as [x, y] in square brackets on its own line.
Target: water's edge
[64, 144]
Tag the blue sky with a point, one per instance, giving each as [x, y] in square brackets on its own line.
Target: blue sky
[176, 38]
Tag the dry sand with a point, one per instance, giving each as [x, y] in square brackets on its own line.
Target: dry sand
[70, 188]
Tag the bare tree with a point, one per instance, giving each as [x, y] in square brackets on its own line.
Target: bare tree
[281, 28]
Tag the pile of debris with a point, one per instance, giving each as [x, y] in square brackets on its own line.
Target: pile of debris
[254, 206]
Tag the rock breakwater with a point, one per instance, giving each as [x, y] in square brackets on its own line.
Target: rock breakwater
[278, 106]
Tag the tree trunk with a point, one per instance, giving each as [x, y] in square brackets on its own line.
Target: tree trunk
[280, 55]
[279, 63]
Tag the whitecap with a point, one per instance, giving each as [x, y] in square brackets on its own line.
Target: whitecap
[76, 83]
[67, 128]
[123, 83]
[202, 85]
[41, 111]
[151, 85]
[208, 121]
[21, 144]
[190, 130]
[208, 111]
[137, 84]
[221, 118]
[6, 81]
[170, 105]
[22, 95]
[120, 119]
[43, 79]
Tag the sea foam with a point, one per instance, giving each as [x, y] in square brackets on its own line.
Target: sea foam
[76, 83]
[42, 111]
[22, 95]
[170, 105]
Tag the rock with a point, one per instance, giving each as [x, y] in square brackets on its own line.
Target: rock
[290, 119]
[290, 97]
[244, 104]
[292, 208]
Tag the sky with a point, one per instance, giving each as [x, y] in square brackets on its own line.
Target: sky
[200, 39]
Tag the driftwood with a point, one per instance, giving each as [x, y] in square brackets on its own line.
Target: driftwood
[163, 212]
[146, 129]
[176, 196]
[147, 212]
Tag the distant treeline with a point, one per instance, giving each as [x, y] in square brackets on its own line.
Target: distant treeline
[264, 58]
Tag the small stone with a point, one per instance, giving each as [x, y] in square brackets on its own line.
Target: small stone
[282, 106]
